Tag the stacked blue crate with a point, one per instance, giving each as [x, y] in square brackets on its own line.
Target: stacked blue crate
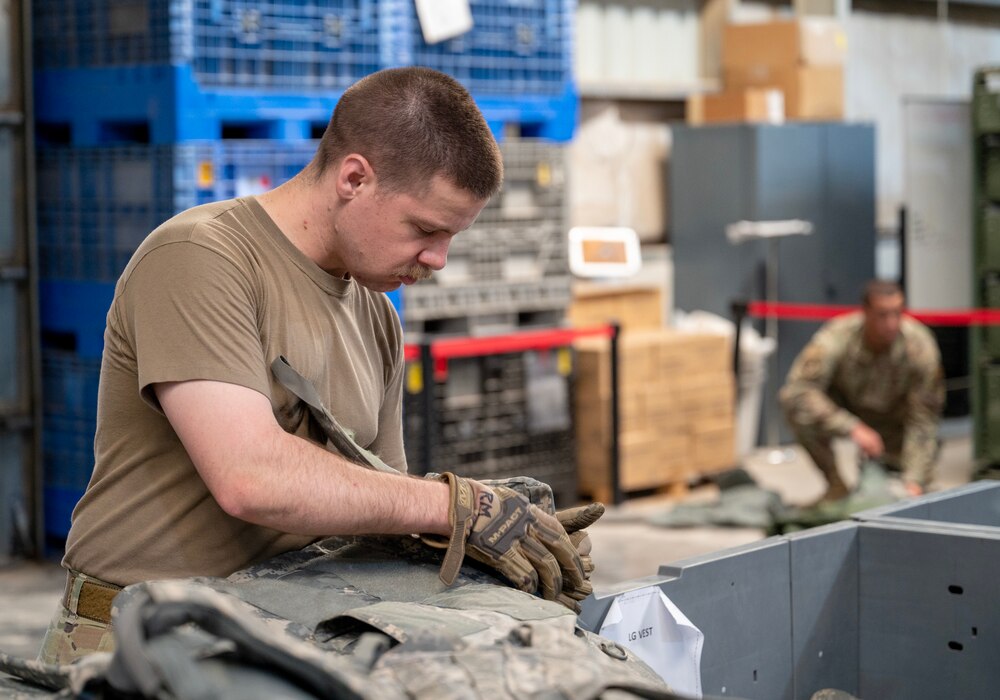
[516, 61]
[144, 109]
[178, 70]
[69, 385]
[95, 206]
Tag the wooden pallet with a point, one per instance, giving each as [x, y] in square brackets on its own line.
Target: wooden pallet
[673, 490]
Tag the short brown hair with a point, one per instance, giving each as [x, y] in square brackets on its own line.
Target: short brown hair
[879, 288]
[412, 124]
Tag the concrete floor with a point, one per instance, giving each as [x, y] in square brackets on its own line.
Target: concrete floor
[625, 545]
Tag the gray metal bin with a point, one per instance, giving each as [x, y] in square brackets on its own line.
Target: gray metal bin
[880, 610]
[975, 506]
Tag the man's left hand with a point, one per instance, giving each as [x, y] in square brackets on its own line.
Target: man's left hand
[575, 520]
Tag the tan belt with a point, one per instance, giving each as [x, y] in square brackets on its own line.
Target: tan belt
[94, 601]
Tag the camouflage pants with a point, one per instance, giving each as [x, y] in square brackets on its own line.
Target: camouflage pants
[71, 636]
[819, 445]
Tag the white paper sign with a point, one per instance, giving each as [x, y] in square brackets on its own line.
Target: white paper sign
[443, 19]
[648, 624]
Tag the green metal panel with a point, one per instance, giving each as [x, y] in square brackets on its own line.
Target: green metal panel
[988, 239]
[986, 101]
[988, 442]
[991, 300]
[991, 173]
[985, 340]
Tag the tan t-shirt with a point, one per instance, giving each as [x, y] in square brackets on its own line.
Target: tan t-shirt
[218, 292]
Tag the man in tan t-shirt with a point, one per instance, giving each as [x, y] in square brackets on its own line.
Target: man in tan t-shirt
[205, 463]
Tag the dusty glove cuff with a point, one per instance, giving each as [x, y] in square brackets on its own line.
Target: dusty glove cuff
[460, 517]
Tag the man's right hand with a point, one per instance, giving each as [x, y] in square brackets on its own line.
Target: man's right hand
[502, 529]
[868, 440]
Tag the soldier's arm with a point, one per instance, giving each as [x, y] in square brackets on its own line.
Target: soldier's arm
[925, 401]
[805, 396]
[259, 473]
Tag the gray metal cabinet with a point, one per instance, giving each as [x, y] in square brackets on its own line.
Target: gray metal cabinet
[20, 506]
[821, 172]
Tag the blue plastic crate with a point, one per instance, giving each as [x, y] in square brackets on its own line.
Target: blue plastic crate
[73, 315]
[165, 105]
[549, 117]
[514, 47]
[69, 459]
[69, 426]
[68, 462]
[96, 205]
[396, 297]
[319, 44]
[176, 71]
[59, 505]
[69, 386]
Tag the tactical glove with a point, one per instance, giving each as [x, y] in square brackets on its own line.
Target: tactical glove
[502, 529]
[574, 520]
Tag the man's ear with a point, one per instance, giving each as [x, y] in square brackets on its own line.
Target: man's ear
[353, 174]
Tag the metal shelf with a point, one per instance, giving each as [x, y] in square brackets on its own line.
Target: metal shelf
[650, 92]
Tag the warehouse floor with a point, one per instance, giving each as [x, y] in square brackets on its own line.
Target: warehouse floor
[625, 545]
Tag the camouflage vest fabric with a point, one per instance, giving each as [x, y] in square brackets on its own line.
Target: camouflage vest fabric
[363, 617]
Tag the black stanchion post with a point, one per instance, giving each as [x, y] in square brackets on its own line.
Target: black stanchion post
[904, 234]
[428, 424]
[739, 311]
[616, 486]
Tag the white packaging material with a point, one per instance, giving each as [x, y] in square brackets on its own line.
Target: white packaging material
[648, 623]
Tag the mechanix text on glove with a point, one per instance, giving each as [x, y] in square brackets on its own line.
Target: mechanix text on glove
[502, 529]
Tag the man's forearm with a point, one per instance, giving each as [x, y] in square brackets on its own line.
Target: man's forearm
[292, 485]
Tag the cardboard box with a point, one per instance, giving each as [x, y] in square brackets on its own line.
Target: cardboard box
[823, 42]
[803, 58]
[686, 354]
[745, 46]
[646, 460]
[713, 446]
[815, 92]
[634, 307]
[716, 397]
[646, 358]
[593, 415]
[765, 105]
[783, 44]
[676, 390]
[810, 92]
[657, 409]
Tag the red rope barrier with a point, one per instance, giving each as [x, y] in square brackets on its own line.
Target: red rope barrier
[822, 312]
[448, 348]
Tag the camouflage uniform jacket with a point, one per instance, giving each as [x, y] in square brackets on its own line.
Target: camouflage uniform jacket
[837, 381]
